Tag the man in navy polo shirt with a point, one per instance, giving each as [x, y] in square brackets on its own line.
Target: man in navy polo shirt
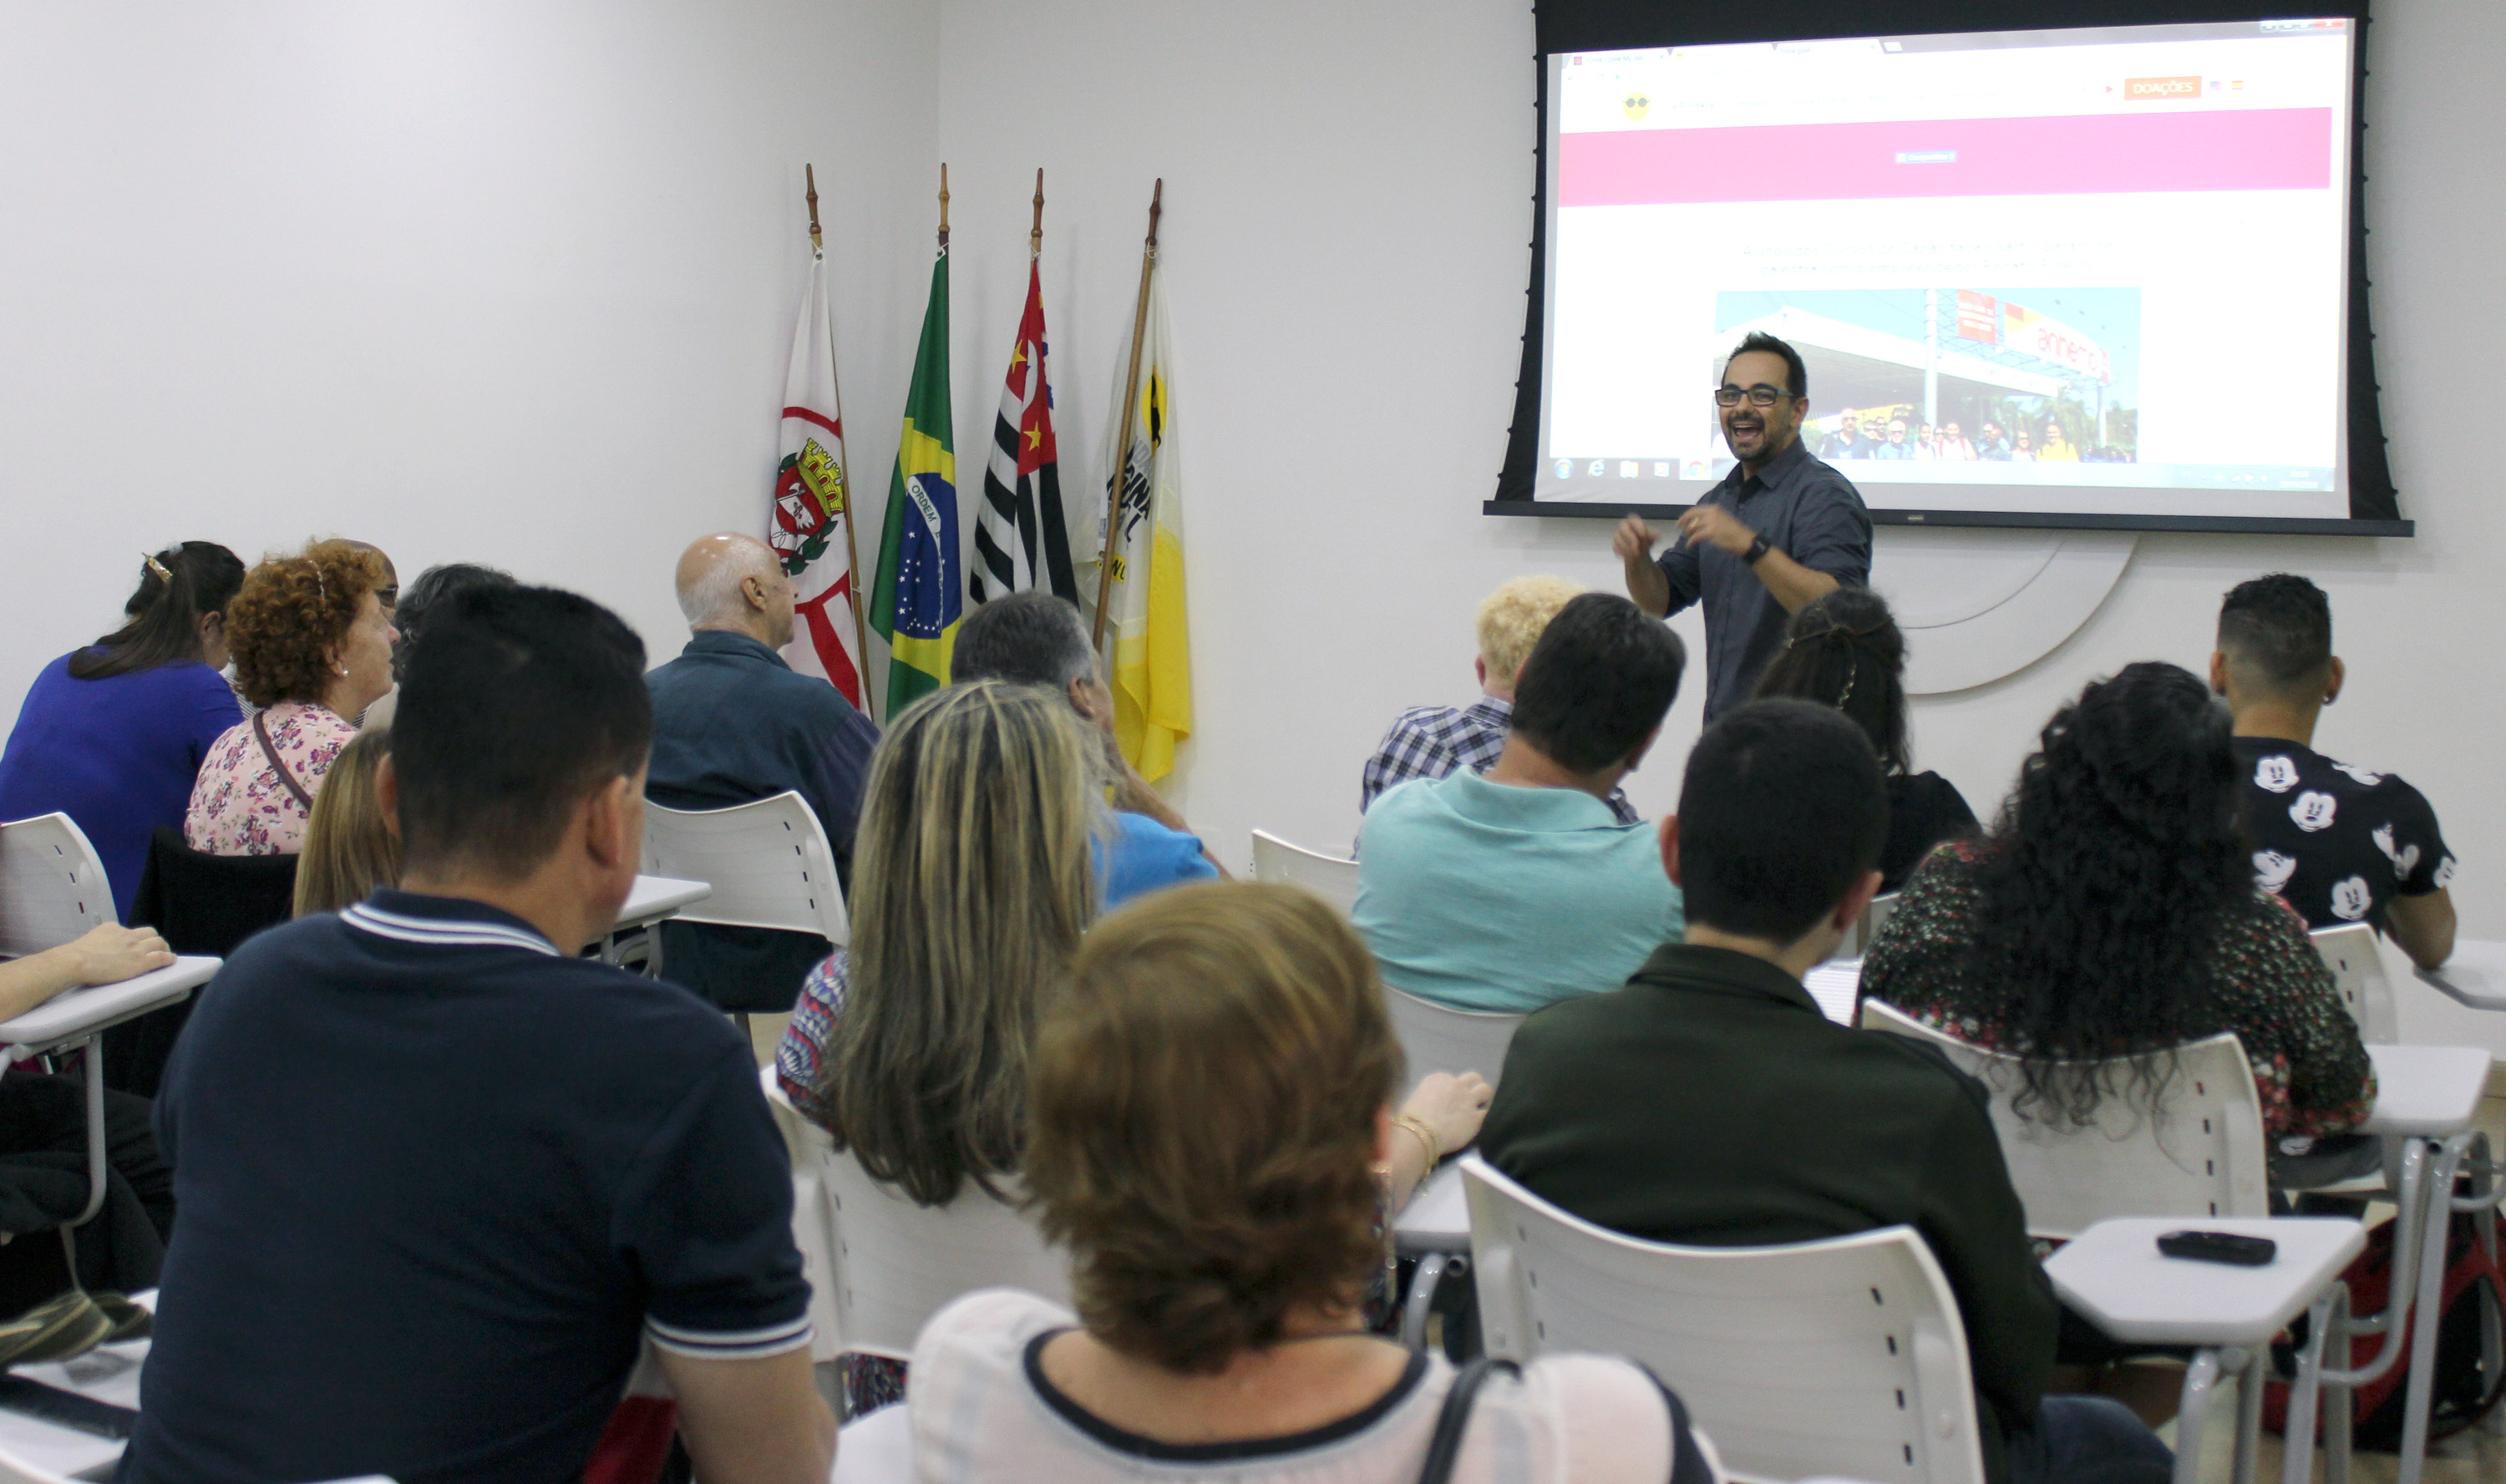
[439, 1177]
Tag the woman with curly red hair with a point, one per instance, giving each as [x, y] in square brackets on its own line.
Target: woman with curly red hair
[312, 644]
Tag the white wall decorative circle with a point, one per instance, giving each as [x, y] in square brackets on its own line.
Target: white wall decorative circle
[1979, 604]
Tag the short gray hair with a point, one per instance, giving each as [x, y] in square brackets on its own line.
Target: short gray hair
[717, 594]
[1031, 638]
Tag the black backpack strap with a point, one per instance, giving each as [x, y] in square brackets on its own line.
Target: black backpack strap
[1445, 1445]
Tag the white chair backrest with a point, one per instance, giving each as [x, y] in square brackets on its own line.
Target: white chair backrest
[812, 1231]
[1435, 1039]
[18, 1471]
[2200, 1154]
[876, 1449]
[1843, 1357]
[1333, 878]
[897, 1263]
[2357, 964]
[768, 861]
[52, 886]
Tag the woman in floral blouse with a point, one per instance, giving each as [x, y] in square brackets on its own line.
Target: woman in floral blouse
[312, 646]
[2114, 910]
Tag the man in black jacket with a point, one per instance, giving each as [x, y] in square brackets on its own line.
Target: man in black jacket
[1710, 1102]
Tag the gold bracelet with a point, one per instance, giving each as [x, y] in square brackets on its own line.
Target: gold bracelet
[1426, 1138]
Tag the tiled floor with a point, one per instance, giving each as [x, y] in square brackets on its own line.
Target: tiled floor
[2476, 1456]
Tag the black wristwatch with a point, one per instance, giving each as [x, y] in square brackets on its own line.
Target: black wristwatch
[1759, 546]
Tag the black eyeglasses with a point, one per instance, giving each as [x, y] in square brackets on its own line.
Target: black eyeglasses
[1760, 396]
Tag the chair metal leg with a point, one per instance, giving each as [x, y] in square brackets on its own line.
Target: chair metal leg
[2330, 1314]
[1423, 1295]
[92, 1070]
[2249, 1410]
[2201, 1386]
[2428, 1312]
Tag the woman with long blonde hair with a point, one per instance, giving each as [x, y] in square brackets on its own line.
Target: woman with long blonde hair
[349, 847]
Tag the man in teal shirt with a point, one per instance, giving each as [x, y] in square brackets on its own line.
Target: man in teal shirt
[1517, 888]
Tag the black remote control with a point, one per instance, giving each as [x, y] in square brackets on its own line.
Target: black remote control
[2219, 1247]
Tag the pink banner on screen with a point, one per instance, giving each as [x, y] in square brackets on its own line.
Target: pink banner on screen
[2272, 149]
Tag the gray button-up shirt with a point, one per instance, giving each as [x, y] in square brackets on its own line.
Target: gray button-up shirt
[1810, 512]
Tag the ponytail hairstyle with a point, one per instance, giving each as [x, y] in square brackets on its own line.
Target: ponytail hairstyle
[1844, 650]
[177, 587]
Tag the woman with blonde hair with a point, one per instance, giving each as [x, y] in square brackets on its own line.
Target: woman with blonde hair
[349, 847]
[311, 638]
[973, 882]
[1210, 1111]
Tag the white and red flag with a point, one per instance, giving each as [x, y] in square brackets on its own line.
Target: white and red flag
[809, 523]
[1021, 540]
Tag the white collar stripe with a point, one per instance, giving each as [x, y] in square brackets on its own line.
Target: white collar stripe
[434, 932]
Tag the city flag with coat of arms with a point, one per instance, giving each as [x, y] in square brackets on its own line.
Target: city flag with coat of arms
[918, 599]
[809, 524]
[1152, 664]
[1020, 538]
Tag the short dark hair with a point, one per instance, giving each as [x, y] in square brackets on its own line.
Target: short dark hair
[1782, 810]
[2277, 629]
[433, 585]
[1796, 376]
[1599, 681]
[518, 702]
[1844, 650]
[1031, 638]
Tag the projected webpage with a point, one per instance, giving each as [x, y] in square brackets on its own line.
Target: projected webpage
[2052, 271]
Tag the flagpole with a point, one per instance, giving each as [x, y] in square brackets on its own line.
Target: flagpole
[843, 474]
[1130, 402]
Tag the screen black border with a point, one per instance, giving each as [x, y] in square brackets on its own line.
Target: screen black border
[1601, 26]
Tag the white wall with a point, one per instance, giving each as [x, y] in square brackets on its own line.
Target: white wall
[1346, 244]
[501, 280]
[515, 282]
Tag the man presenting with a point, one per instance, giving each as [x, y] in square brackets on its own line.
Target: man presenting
[1781, 530]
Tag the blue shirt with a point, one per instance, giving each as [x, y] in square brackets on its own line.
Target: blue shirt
[1145, 856]
[117, 755]
[1487, 897]
[1807, 510]
[438, 1181]
[732, 723]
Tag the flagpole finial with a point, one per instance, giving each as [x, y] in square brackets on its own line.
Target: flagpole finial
[1035, 238]
[944, 203]
[1156, 205]
[817, 242]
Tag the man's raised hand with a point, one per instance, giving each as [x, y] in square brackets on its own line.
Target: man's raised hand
[1634, 540]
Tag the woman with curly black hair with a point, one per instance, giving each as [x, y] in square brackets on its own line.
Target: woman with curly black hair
[2113, 910]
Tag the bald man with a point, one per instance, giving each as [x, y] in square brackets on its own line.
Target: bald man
[733, 723]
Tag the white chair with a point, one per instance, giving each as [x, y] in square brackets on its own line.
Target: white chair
[767, 860]
[2202, 1154]
[1333, 878]
[876, 1449]
[897, 1263]
[1841, 1358]
[1438, 1039]
[808, 1146]
[2357, 964]
[1857, 942]
[52, 888]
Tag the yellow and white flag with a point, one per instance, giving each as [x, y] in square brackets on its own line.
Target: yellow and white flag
[1151, 667]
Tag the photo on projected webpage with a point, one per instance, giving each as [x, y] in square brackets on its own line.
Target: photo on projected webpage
[2050, 272]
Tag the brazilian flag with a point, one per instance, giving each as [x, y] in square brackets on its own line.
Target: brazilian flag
[916, 603]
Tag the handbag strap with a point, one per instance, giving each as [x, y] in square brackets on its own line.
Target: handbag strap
[1446, 1446]
[261, 730]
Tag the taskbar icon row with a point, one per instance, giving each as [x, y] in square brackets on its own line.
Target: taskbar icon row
[1632, 469]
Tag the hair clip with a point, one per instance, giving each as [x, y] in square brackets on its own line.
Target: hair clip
[157, 567]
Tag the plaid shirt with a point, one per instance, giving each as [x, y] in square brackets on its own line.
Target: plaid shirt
[1432, 741]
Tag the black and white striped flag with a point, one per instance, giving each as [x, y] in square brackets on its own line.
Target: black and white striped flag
[1020, 541]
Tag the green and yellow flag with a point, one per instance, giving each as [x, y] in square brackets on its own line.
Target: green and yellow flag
[916, 602]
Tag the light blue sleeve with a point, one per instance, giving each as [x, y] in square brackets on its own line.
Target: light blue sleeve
[1146, 856]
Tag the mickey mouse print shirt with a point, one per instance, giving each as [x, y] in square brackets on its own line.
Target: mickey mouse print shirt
[2338, 842]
